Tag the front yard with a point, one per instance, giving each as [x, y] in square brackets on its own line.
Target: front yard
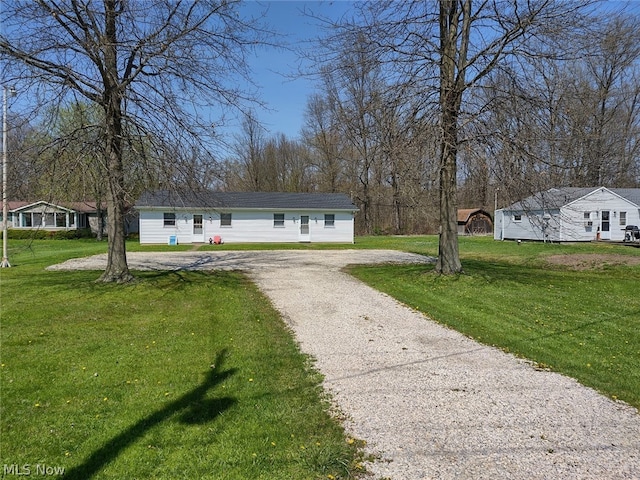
[179, 375]
[194, 375]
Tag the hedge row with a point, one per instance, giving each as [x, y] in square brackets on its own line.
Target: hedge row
[49, 234]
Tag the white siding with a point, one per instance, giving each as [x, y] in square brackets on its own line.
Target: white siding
[498, 233]
[152, 229]
[569, 224]
[246, 227]
[532, 225]
[575, 227]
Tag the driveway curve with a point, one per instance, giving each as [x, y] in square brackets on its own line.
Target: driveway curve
[430, 402]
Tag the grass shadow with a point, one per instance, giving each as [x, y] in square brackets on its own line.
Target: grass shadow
[193, 407]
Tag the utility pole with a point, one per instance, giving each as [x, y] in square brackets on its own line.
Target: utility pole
[5, 210]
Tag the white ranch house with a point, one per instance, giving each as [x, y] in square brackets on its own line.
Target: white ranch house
[570, 215]
[245, 217]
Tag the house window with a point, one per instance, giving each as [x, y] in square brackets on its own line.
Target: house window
[517, 217]
[588, 223]
[225, 219]
[49, 220]
[278, 219]
[61, 220]
[169, 219]
[329, 220]
[72, 219]
[623, 219]
[27, 220]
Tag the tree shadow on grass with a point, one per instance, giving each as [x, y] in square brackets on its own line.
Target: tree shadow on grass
[176, 280]
[193, 407]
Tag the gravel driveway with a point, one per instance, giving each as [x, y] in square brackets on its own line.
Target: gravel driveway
[430, 403]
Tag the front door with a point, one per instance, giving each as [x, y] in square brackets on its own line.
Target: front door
[305, 235]
[605, 225]
[198, 231]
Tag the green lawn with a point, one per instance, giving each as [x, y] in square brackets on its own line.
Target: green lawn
[179, 375]
[580, 322]
[194, 375]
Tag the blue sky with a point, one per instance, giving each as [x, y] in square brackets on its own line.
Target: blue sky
[286, 98]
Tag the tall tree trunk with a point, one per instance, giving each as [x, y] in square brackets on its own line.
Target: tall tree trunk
[117, 269]
[452, 68]
[448, 253]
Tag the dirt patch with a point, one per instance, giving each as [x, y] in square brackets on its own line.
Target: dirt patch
[587, 261]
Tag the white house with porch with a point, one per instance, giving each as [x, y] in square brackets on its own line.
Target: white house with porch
[570, 215]
[245, 217]
[48, 216]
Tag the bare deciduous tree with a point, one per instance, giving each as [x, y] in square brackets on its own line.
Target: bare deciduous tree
[150, 66]
[568, 122]
[447, 48]
[321, 135]
[245, 170]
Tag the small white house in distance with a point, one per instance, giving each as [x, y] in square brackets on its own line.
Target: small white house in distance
[45, 215]
[48, 216]
[570, 215]
[243, 217]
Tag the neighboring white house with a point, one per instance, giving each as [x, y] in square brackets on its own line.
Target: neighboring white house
[44, 215]
[570, 215]
[200, 217]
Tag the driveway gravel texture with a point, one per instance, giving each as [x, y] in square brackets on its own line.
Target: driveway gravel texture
[429, 402]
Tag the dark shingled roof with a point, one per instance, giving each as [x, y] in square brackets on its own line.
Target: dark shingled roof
[555, 198]
[631, 194]
[246, 200]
